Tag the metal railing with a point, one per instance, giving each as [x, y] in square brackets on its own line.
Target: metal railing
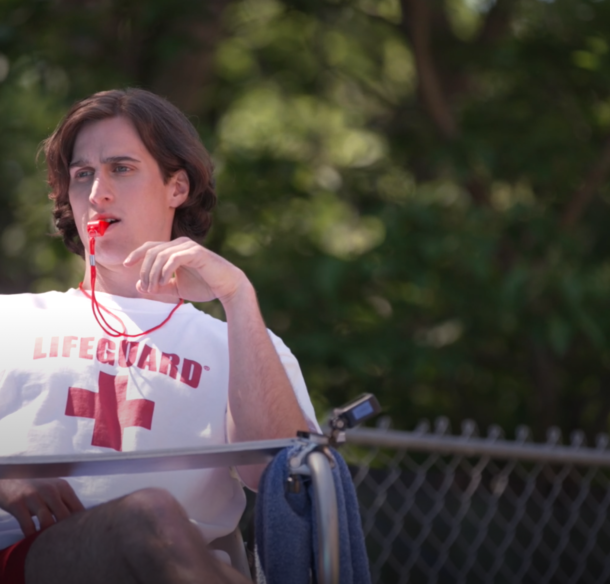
[314, 462]
[438, 507]
[449, 508]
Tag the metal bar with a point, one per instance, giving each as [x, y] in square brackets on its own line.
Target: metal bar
[467, 446]
[94, 464]
[327, 517]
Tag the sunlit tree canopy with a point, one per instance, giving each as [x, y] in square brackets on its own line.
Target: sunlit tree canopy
[417, 188]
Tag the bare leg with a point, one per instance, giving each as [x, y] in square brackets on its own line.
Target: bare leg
[144, 537]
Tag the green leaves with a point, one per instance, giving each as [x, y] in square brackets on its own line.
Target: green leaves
[435, 271]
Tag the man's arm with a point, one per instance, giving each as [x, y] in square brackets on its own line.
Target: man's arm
[262, 402]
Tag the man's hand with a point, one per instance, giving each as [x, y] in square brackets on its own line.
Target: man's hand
[185, 269]
[49, 500]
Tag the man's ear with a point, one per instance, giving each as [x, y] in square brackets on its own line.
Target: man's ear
[181, 186]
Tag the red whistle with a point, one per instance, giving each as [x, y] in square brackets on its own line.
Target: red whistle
[97, 228]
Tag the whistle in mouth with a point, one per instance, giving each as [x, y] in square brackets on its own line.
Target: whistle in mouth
[97, 228]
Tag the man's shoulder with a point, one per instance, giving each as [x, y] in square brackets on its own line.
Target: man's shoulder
[32, 301]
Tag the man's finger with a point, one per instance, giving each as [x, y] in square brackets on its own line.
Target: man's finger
[138, 254]
[181, 257]
[169, 289]
[45, 517]
[148, 262]
[59, 509]
[24, 518]
[156, 259]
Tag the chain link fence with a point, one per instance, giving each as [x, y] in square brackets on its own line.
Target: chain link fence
[442, 508]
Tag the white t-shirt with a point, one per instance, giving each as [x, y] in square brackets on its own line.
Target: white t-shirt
[66, 387]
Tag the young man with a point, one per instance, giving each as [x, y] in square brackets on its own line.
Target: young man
[69, 384]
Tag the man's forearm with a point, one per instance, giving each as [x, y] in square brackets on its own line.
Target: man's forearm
[262, 402]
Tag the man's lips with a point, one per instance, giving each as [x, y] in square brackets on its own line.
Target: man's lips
[106, 218]
[99, 226]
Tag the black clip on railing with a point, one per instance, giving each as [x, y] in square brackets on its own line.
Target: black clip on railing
[351, 415]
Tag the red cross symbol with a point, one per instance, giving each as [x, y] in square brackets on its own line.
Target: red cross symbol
[110, 409]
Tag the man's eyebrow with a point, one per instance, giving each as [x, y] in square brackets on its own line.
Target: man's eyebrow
[122, 158]
[109, 160]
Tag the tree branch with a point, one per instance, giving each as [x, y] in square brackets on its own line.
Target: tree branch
[416, 24]
[496, 23]
[585, 193]
[185, 78]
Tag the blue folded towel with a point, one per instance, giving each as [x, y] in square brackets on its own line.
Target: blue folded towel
[286, 527]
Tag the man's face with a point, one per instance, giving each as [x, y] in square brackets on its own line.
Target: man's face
[113, 176]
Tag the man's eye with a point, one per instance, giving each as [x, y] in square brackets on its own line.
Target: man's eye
[83, 173]
[121, 168]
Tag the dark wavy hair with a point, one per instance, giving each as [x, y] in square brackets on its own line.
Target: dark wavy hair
[167, 134]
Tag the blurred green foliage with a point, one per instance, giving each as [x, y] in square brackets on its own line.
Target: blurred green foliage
[417, 188]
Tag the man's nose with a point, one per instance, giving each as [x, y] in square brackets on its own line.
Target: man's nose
[101, 190]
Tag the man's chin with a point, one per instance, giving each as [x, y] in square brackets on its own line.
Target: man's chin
[111, 260]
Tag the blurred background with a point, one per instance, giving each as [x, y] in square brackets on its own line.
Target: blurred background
[417, 188]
